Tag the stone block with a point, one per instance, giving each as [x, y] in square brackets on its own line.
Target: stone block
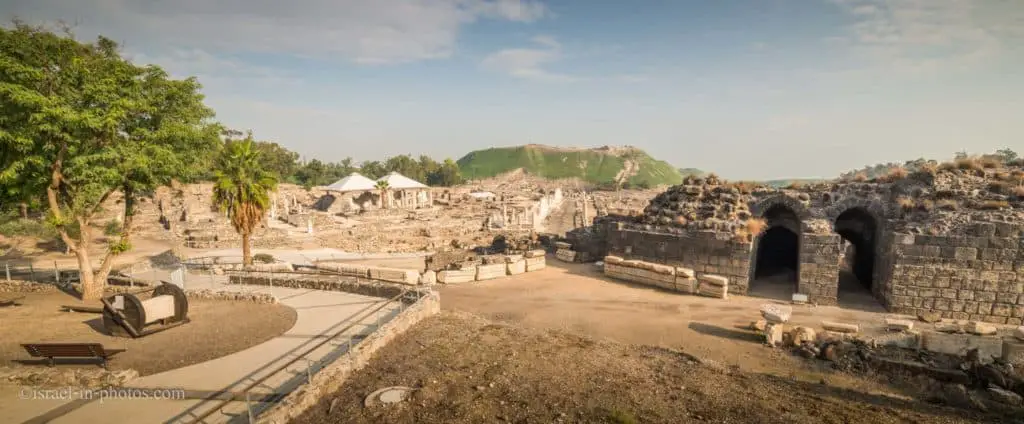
[840, 327]
[714, 280]
[893, 324]
[980, 328]
[537, 253]
[1013, 351]
[773, 334]
[776, 313]
[1019, 333]
[490, 272]
[712, 290]
[450, 276]
[349, 270]
[536, 263]
[517, 267]
[563, 245]
[959, 344]
[800, 335]
[395, 275]
[428, 277]
[685, 273]
[905, 340]
[686, 285]
[613, 259]
[565, 255]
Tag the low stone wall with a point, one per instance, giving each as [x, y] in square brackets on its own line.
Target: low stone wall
[650, 274]
[45, 377]
[394, 275]
[22, 286]
[322, 282]
[332, 377]
[207, 294]
[705, 252]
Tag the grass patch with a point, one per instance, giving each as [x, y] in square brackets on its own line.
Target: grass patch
[20, 227]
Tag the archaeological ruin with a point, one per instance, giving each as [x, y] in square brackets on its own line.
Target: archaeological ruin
[946, 239]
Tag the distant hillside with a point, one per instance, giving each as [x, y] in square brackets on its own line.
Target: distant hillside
[603, 165]
[791, 181]
[692, 171]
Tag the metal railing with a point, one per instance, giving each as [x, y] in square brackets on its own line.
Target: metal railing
[315, 366]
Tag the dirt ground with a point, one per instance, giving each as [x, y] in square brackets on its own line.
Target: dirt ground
[215, 330]
[579, 299]
[468, 370]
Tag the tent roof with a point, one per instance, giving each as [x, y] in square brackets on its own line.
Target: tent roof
[399, 181]
[353, 182]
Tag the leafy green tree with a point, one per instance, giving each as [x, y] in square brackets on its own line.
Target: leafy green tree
[241, 188]
[372, 169]
[89, 123]
[282, 162]
[447, 175]
[1007, 154]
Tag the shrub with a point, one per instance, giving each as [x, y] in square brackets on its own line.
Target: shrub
[860, 177]
[795, 185]
[112, 227]
[264, 258]
[905, 203]
[27, 228]
[621, 417]
[990, 162]
[680, 220]
[756, 226]
[895, 174]
[947, 166]
[969, 164]
[929, 168]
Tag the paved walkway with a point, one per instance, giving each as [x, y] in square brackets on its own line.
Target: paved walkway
[319, 314]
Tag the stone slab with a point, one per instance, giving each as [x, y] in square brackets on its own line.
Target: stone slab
[536, 253]
[349, 270]
[959, 344]
[490, 272]
[535, 263]
[395, 275]
[517, 267]
[1013, 351]
[716, 280]
[428, 277]
[840, 327]
[565, 255]
[613, 259]
[450, 276]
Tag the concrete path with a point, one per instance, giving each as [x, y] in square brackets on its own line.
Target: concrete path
[320, 314]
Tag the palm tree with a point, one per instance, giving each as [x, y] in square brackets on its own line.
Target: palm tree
[383, 186]
[241, 188]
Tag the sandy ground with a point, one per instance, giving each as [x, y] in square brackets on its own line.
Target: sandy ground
[215, 331]
[469, 370]
[579, 299]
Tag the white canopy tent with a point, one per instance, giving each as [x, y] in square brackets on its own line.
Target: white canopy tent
[407, 192]
[353, 182]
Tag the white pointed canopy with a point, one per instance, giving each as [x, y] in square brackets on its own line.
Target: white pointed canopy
[353, 182]
[401, 182]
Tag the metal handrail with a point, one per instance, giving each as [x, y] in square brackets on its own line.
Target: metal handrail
[355, 321]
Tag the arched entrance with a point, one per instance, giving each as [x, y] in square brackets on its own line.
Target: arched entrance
[859, 229]
[777, 255]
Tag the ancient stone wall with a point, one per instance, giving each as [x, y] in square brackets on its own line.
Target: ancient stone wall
[704, 252]
[976, 277]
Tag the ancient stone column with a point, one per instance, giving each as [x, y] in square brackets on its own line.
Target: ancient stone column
[309, 225]
[273, 205]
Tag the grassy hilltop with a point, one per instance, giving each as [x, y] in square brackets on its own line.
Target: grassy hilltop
[603, 165]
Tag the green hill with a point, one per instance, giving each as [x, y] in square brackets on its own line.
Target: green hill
[602, 165]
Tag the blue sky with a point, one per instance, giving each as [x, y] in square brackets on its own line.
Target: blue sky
[749, 89]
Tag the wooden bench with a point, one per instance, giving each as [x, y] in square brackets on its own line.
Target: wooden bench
[70, 350]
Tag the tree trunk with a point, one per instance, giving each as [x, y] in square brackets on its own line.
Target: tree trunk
[92, 289]
[246, 251]
[23, 208]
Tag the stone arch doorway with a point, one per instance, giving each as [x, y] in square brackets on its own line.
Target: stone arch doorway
[859, 228]
[776, 267]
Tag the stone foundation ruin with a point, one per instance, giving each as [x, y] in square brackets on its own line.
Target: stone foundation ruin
[944, 239]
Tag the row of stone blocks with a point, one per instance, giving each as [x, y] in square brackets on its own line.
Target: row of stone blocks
[393, 275]
[1009, 349]
[533, 260]
[667, 277]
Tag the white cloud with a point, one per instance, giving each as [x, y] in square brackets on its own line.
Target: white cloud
[919, 36]
[529, 63]
[372, 32]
